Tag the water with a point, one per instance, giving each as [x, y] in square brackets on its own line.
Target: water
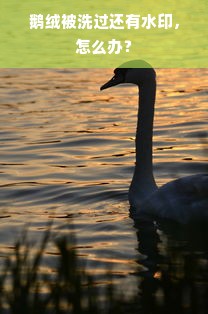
[67, 154]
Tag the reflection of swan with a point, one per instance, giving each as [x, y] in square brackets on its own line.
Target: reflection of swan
[182, 199]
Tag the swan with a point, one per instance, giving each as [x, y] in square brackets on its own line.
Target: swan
[181, 200]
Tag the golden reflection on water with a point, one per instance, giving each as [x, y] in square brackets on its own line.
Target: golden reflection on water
[67, 153]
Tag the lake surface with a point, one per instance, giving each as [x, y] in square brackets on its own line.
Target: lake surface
[67, 154]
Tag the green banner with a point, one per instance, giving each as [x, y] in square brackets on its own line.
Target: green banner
[93, 34]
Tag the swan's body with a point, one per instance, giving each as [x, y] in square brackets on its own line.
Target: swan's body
[183, 199]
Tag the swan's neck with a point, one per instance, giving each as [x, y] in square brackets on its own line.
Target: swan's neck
[143, 183]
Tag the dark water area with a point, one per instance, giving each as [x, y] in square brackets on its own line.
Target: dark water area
[67, 155]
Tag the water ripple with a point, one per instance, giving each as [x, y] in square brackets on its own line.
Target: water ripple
[67, 154]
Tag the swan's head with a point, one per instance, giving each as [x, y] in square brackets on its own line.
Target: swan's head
[136, 72]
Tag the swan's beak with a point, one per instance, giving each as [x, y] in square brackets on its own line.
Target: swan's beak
[116, 79]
